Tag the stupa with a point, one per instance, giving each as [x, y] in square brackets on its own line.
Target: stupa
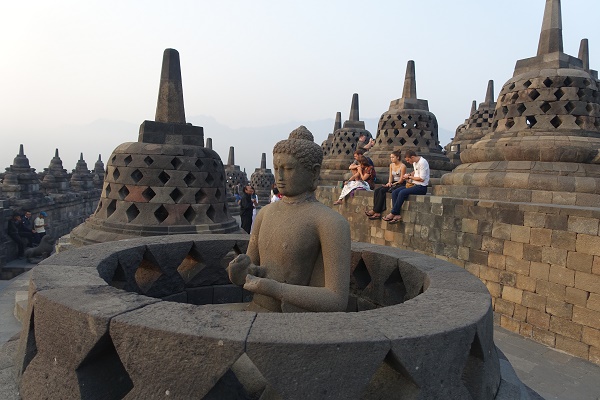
[262, 180]
[98, 172]
[544, 141]
[343, 144]
[475, 127]
[82, 178]
[56, 178]
[165, 183]
[20, 180]
[408, 124]
[327, 143]
[236, 179]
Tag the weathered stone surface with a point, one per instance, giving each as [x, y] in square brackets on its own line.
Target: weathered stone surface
[155, 340]
[303, 358]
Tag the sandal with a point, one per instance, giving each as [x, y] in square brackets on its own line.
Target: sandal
[389, 217]
[396, 219]
[375, 216]
[370, 213]
[337, 203]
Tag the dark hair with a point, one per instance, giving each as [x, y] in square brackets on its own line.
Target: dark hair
[360, 151]
[410, 153]
[363, 160]
[398, 154]
[275, 191]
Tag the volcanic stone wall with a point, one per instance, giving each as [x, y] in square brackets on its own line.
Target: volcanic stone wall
[541, 263]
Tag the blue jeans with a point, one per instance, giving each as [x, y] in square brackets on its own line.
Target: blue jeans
[400, 194]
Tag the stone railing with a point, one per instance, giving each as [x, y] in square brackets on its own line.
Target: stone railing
[540, 263]
[122, 319]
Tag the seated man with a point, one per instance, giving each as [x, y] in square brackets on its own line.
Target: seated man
[298, 257]
[416, 183]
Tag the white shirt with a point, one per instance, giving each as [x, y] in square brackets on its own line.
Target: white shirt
[38, 225]
[421, 169]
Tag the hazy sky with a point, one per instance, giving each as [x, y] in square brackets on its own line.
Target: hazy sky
[82, 75]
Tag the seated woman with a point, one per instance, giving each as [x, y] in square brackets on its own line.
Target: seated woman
[395, 181]
[363, 178]
[417, 182]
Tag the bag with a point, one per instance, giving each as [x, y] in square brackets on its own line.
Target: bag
[409, 184]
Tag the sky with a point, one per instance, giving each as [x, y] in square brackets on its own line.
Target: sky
[81, 76]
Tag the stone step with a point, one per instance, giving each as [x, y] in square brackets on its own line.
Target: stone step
[21, 301]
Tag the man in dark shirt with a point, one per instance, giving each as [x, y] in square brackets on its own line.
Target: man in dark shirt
[26, 228]
[13, 233]
[247, 204]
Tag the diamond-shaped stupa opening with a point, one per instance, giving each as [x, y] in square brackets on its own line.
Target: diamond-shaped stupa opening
[569, 107]
[128, 160]
[189, 214]
[531, 121]
[545, 107]
[361, 275]
[148, 160]
[200, 196]
[164, 177]
[210, 213]
[521, 109]
[176, 163]
[199, 164]
[116, 174]
[161, 213]
[548, 82]
[148, 193]
[189, 179]
[218, 194]
[132, 213]
[123, 192]
[107, 190]
[137, 175]
[534, 94]
[176, 195]
[559, 94]
[111, 208]
[209, 179]
[556, 122]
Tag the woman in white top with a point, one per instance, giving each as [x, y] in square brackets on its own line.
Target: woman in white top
[395, 181]
[419, 178]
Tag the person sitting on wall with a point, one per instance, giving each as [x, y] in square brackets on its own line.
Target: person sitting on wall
[13, 233]
[395, 181]
[298, 257]
[365, 141]
[363, 178]
[417, 182]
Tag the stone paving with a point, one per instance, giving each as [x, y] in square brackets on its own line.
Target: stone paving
[552, 374]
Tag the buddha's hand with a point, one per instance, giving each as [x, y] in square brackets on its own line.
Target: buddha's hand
[241, 266]
[265, 286]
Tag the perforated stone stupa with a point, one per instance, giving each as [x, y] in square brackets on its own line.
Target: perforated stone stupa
[343, 143]
[167, 182]
[56, 178]
[262, 180]
[408, 124]
[82, 178]
[543, 147]
[327, 143]
[20, 180]
[475, 127]
[236, 179]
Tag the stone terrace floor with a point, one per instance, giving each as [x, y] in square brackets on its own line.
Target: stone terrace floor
[552, 374]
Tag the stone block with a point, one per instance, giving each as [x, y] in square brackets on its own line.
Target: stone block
[526, 330]
[580, 261]
[504, 307]
[159, 337]
[593, 302]
[539, 270]
[576, 296]
[510, 324]
[463, 253]
[200, 295]
[586, 317]
[534, 301]
[520, 234]
[594, 355]
[571, 346]
[596, 266]
[493, 245]
[478, 256]
[591, 336]
[494, 288]
[526, 283]
[540, 237]
[534, 219]
[224, 294]
[538, 319]
[496, 260]
[310, 351]
[562, 275]
[532, 252]
[588, 244]
[543, 336]
[559, 308]
[520, 313]
[557, 222]
[513, 249]
[588, 226]
[508, 278]
[551, 255]
[518, 266]
[563, 240]
[501, 231]
[551, 290]
[489, 274]
[469, 225]
[588, 282]
[512, 294]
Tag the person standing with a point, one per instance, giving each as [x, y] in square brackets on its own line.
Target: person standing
[247, 204]
[417, 182]
[13, 233]
[39, 226]
[26, 228]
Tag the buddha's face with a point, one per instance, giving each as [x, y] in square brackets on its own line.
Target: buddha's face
[292, 177]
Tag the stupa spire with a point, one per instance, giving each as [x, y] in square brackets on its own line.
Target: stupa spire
[410, 82]
[263, 161]
[551, 39]
[489, 94]
[209, 143]
[473, 107]
[56, 153]
[354, 109]
[584, 54]
[169, 107]
[21, 151]
[231, 159]
[80, 156]
[338, 121]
